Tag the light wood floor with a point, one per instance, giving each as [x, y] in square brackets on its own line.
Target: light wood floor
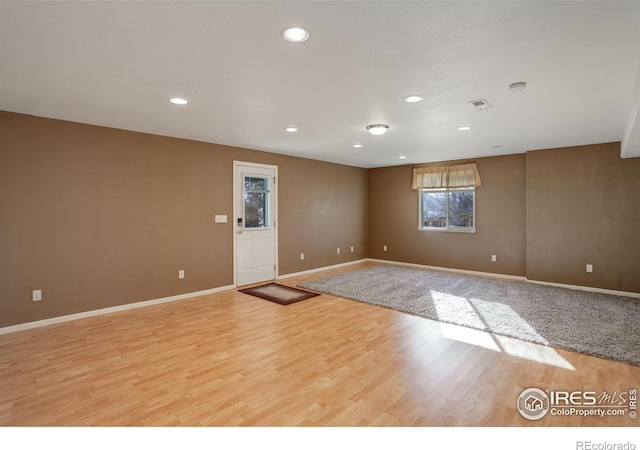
[230, 359]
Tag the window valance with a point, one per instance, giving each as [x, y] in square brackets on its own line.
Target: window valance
[462, 175]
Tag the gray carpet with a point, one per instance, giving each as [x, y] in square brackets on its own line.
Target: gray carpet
[597, 324]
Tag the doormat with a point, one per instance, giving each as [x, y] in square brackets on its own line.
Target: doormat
[277, 293]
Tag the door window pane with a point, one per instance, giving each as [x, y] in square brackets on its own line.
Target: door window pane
[256, 202]
[255, 184]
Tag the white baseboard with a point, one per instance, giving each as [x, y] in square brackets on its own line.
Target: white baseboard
[320, 269]
[112, 309]
[587, 288]
[98, 312]
[447, 269]
[511, 277]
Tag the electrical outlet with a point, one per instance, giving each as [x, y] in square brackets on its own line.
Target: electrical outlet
[494, 258]
[301, 256]
[338, 250]
[36, 295]
[181, 274]
[589, 268]
[384, 248]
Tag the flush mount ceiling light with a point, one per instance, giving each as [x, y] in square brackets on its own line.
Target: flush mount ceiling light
[402, 157]
[295, 34]
[413, 99]
[518, 87]
[291, 129]
[178, 101]
[464, 128]
[378, 129]
[357, 145]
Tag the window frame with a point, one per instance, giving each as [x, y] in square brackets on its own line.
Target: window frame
[267, 203]
[447, 228]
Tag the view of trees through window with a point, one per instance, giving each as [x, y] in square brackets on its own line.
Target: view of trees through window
[447, 208]
[256, 202]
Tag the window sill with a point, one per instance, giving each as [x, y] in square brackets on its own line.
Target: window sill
[448, 230]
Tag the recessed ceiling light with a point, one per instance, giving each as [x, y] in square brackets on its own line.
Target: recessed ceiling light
[378, 129]
[518, 87]
[357, 145]
[413, 98]
[178, 101]
[402, 157]
[291, 129]
[295, 34]
[464, 128]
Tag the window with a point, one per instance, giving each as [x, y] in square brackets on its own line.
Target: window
[447, 209]
[256, 201]
[446, 197]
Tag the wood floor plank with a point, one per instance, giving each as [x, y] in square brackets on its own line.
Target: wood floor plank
[229, 359]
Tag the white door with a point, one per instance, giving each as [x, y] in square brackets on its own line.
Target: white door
[255, 221]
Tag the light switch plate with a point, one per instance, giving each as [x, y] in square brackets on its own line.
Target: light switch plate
[221, 218]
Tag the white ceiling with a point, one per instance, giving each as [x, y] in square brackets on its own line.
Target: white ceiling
[116, 64]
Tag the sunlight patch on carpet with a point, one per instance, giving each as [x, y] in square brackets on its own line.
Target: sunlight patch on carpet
[592, 323]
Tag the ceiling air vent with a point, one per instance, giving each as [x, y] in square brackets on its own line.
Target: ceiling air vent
[480, 105]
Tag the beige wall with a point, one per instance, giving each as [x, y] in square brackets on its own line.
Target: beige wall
[98, 217]
[583, 207]
[500, 221]
[545, 214]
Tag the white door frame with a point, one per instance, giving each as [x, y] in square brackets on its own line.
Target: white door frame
[236, 213]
